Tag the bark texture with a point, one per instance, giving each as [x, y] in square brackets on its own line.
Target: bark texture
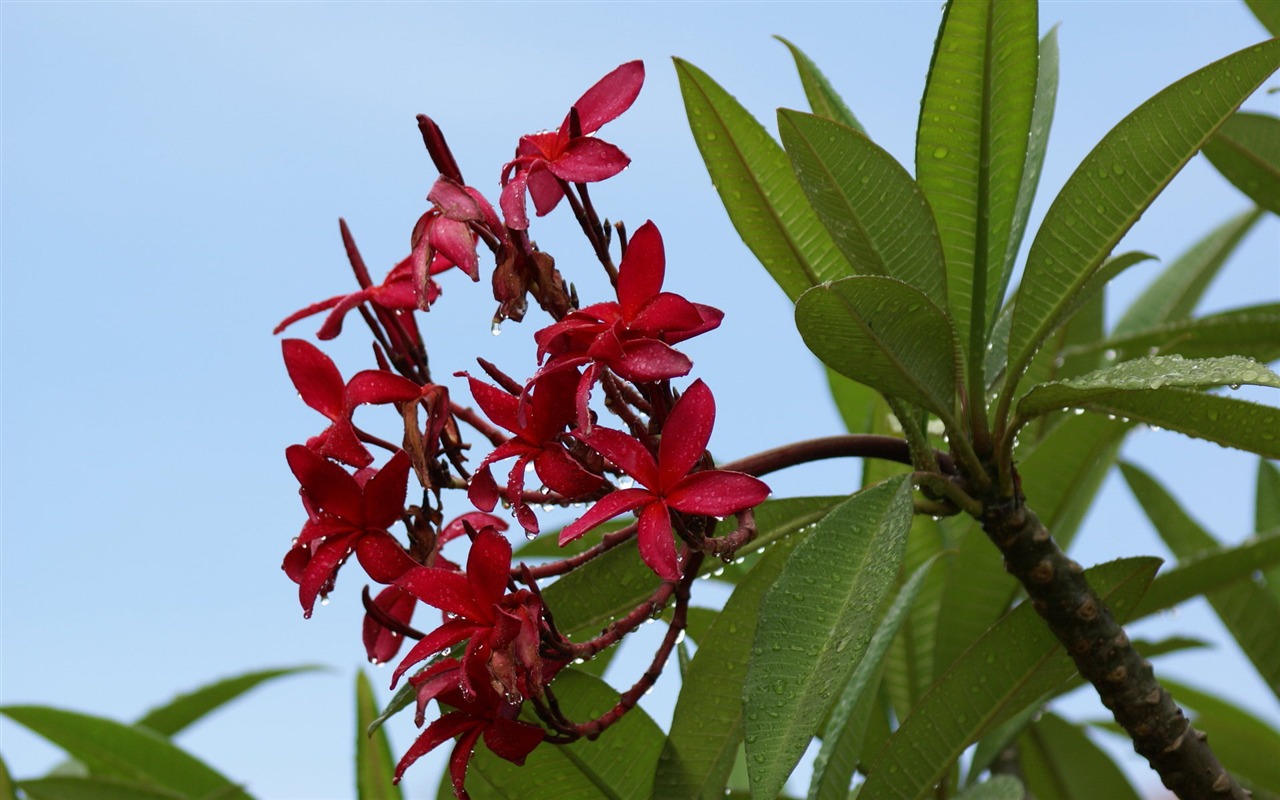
[1105, 657]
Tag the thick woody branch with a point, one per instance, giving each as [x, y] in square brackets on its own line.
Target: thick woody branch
[1104, 655]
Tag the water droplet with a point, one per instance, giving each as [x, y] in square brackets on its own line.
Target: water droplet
[495, 328]
[941, 152]
[1117, 169]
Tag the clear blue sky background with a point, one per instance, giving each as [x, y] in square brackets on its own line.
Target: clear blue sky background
[172, 176]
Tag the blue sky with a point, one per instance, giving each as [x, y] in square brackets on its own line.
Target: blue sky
[172, 177]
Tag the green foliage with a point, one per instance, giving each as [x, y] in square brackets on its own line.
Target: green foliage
[375, 766]
[1246, 150]
[1060, 763]
[184, 710]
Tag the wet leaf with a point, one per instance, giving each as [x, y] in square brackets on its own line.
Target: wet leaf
[1060, 763]
[375, 766]
[822, 98]
[1246, 150]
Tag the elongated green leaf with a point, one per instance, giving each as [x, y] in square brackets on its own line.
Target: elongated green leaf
[374, 764]
[1116, 182]
[1174, 294]
[1243, 743]
[1145, 375]
[1038, 142]
[971, 149]
[706, 729]
[113, 750]
[1001, 787]
[1249, 611]
[909, 663]
[823, 99]
[68, 788]
[758, 188]
[875, 212]
[617, 766]
[1014, 663]
[886, 334]
[845, 733]
[1218, 571]
[1060, 763]
[1085, 326]
[1267, 501]
[182, 711]
[1229, 422]
[815, 623]
[1268, 13]
[1246, 150]
[7, 791]
[1253, 332]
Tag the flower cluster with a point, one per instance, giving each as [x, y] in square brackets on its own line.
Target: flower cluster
[491, 661]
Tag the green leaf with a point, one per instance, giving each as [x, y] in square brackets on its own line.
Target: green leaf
[617, 766]
[1115, 183]
[1243, 743]
[758, 188]
[1211, 572]
[971, 149]
[1246, 150]
[1268, 13]
[815, 623]
[1037, 143]
[1014, 663]
[185, 709]
[886, 334]
[1267, 501]
[1147, 376]
[1174, 294]
[875, 212]
[69, 788]
[374, 764]
[113, 750]
[1001, 787]
[823, 99]
[1249, 611]
[1060, 763]
[1253, 332]
[7, 790]
[845, 733]
[1232, 423]
[706, 729]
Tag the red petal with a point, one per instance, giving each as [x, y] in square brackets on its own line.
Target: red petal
[382, 557]
[378, 386]
[475, 519]
[665, 316]
[482, 490]
[454, 201]
[340, 442]
[333, 323]
[563, 474]
[444, 589]
[606, 508]
[610, 96]
[544, 189]
[512, 740]
[585, 161]
[438, 732]
[380, 643]
[496, 404]
[657, 548]
[642, 269]
[328, 485]
[321, 569]
[686, 433]
[627, 453]
[447, 635]
[717, 492]
[314, 308]
[460, 758]
[488, 565]
[512, 200]
[315, 376]
[455, 241]
[648, 360]
[384, 494]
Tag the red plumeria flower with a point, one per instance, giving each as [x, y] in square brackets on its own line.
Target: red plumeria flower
[544, 159]
[632, 336]
[396, 293]
[483, 613]
[667, 483]
[536, 433]
[443, 237]
[475, 715]
[320, 385]
[346, 514]
[381, 642]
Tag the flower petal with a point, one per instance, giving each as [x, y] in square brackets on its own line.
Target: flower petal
[315, 376]
[488, 565]
[382, 557]
[586, 160]
[513, 740]
[378, 386]
[444, 589]
[626, 452]
[686, 433]
[384, 494]
[610, 96]
[544, 189]
[717, 492]
[512, 202]
[642, 269]
[606, 508]
[460, 759]
[437, 733]
[648, 360]
[328, 485]
[447, 635]
[657, 548]
[380, 642]
[666, 316]
[454, 201]
[563, 474]
[455, 241]
[322, 569]
[499, 406]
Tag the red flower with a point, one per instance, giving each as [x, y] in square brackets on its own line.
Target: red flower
[502, 628]
[632, 336]
[475, 715]
[443, 237]
[396, 293]
[544, 159]
[346, 514]
[668, 484]
[536, 440]
[320, 385]
[382, 643]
